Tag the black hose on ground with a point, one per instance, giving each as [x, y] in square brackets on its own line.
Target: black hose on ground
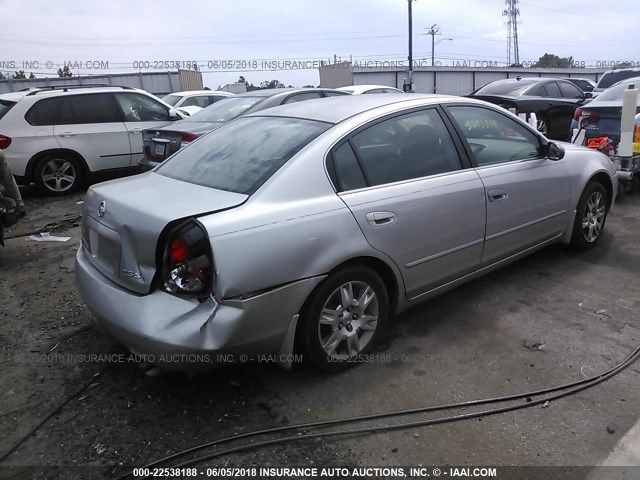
[569, 389]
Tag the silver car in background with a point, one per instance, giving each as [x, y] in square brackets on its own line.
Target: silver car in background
[309, 226]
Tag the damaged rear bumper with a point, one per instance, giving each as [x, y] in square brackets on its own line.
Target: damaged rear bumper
[187, 335]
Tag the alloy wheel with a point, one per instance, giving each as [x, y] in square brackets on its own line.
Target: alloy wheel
[593, 217]
[348, 320]
[59, 175]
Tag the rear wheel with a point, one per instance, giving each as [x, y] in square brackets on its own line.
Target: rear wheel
[58, 174]
[344, 317]
[543, 125]
[591, 216]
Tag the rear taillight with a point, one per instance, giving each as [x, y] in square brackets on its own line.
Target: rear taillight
[187, 138]
[588, 116]
[188, 263]
[4, 142]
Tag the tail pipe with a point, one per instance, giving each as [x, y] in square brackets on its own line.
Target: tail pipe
[624, 176]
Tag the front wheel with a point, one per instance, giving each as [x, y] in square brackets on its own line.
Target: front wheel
[591, 217]
[344, 317]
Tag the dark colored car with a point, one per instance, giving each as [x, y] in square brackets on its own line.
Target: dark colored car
[160, 143]
[603, 116]
[553, 100]
[583, 84]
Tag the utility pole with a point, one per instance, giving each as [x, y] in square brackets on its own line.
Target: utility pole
[433, 31]
[512, 12]
[408, 87]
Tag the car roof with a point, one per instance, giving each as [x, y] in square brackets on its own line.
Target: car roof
[44, 92]
[268, 92]
[186, 93]
[336, 109]
[360, 88]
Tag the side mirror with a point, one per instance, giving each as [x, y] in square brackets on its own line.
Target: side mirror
[588, 95]
[173, 114]
[554, 151]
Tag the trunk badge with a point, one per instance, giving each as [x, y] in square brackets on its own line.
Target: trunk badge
[157, 134]
[102, 208]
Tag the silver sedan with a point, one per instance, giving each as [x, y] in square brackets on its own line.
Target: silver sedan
[307, 227]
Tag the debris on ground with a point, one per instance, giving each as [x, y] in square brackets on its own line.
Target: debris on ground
[534, 345]
[47, 237]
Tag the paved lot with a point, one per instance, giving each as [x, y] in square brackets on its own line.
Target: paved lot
[553, 318]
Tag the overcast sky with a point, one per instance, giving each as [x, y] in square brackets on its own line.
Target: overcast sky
[123, 32]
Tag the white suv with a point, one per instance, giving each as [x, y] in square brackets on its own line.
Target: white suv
[57, 137]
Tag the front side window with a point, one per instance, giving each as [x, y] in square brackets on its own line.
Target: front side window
[570, 91]
[140, 108]
[493, 137]
[404, 147]
[240, 156]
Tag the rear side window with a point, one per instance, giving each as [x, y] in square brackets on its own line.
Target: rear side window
[348, 171]
[93, 108]
[553, 90]
[242, 155]
[45, 112]
[405, 147]
[5, 106]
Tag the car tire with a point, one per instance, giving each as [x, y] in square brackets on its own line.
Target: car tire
[334, 337]
[58, 174]
[591, 216]
[542, 124]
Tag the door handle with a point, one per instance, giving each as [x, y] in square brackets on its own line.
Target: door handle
[135, 130]
[378, 219]
[497, 194]
[67, 134]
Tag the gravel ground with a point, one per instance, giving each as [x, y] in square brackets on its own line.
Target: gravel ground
[549, 319]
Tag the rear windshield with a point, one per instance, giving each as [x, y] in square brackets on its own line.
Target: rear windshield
[509, 87]
[616, 93]
[610, 78]
[5, 106]
[171, 99]
[240, 156]
[225, 110]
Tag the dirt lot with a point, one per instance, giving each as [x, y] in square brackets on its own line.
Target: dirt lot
[553, 318]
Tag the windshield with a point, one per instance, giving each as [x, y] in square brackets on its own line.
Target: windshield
[616, 93]
[242, 155]
[171, 99]
[225, 110]
[610, 78]
[506, 87]
[5, 106]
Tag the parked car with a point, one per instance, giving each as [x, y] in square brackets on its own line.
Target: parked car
[310, 225]
[160, 143]
[362, 89]
[57, 137]
[612, 77]
[554, 101]
[195, 98]
[603, 116]
[583, 84]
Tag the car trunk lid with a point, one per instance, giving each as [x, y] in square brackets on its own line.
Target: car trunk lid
[161, 143]
[123, 220]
